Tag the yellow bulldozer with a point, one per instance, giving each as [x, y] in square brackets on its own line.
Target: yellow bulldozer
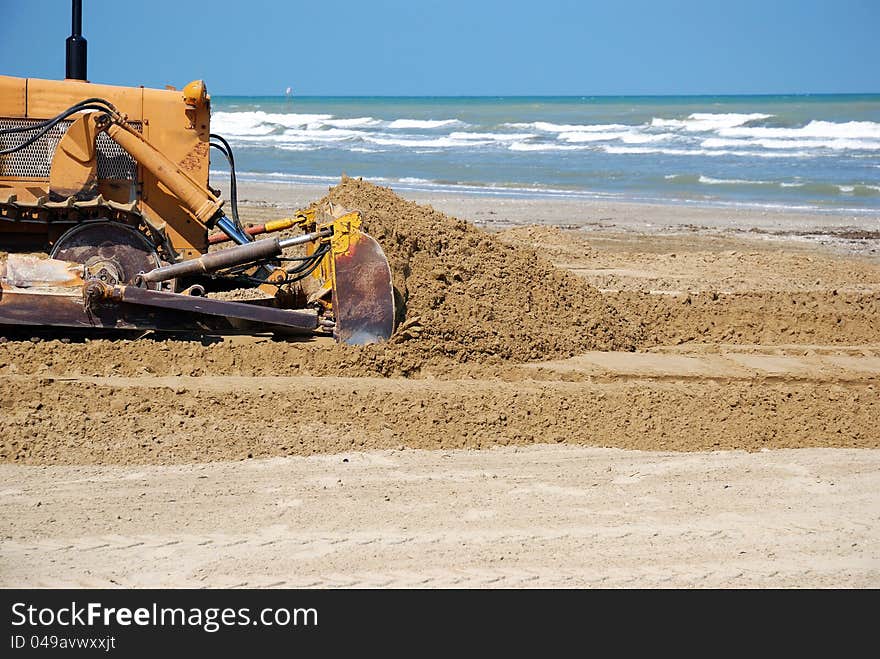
[108, 220]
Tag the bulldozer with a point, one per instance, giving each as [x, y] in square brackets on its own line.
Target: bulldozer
[108, 222]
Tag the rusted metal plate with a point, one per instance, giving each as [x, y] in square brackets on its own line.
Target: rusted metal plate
[146, 310]
[45, 307]
[29, 270]
[305, 320]
[363, 297]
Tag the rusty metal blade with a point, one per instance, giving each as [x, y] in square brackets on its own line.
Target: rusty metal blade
[304, 320]
[136, 308]
[363, 297]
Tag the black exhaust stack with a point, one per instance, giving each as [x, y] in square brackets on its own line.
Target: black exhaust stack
[76, 47]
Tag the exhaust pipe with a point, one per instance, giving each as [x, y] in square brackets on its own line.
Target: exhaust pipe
[77, 46]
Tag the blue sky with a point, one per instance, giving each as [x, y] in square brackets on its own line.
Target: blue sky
[408, 47]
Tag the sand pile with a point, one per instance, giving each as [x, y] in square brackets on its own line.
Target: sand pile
[478, 302]
[478, 298]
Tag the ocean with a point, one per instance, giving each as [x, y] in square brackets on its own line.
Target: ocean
[809, 153]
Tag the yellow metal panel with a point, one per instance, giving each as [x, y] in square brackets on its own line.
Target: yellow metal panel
[178, 129]
[46, 98]
[182, 135]
[13, 96]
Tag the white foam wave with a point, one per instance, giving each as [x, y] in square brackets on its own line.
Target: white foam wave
[423, 123]
[327, 135]
[547, 127]
[531, 146]
[620, 150]
[296, 147]
[438, 142]
[300, 136]
[845, 189]
[597, 136]
[819, 129]
[355, 122]
[647, 138]
[498, 137]
[708, 180]
[257, 122]
[700, 122]
[308, 179]
[839, 144]
[525, 191]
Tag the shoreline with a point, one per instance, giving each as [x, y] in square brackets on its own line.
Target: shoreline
[851, 234]
[405, 187]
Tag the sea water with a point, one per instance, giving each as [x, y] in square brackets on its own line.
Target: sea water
[811, 152]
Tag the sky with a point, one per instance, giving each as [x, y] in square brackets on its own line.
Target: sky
[458, 48]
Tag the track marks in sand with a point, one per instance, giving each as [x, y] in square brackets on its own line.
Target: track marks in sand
[89, 423]
[560, 517]
[750, 397]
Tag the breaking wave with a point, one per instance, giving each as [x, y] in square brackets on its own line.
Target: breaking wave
[816, 187]
[697, 134]
[821, 129]
[779, 154]
[423, 123]
[706, 121]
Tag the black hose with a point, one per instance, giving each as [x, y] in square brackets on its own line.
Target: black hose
[233, 187]
[296, 274]
[73, 108]
[303, 275]
[47, 126]
[296, 258]
[306, 265]
[225, 148]
[287, 280]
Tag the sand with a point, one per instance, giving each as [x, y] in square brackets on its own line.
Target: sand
[842, 233]
[776, 348]
[544, 516]
[756, 345]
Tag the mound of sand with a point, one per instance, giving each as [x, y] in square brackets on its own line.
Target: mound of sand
[478, 298]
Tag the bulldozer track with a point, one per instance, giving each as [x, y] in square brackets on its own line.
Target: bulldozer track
[67, 211]
[71, 211]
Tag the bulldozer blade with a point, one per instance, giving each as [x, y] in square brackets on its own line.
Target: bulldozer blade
[363, 295]
[302, 320]
[130, 308]
[64, 308]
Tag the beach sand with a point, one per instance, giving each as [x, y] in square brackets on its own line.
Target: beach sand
[717, 416]
[840, 232]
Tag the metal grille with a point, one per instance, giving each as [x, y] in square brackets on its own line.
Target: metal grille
[35, 160]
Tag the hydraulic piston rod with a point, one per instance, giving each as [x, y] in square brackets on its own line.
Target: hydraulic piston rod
[227, 258]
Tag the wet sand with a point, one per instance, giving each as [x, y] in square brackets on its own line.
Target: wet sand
[830, 230]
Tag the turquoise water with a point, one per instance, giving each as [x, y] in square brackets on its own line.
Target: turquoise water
[818, 153]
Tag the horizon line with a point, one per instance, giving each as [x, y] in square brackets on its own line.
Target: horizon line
[669, 95]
